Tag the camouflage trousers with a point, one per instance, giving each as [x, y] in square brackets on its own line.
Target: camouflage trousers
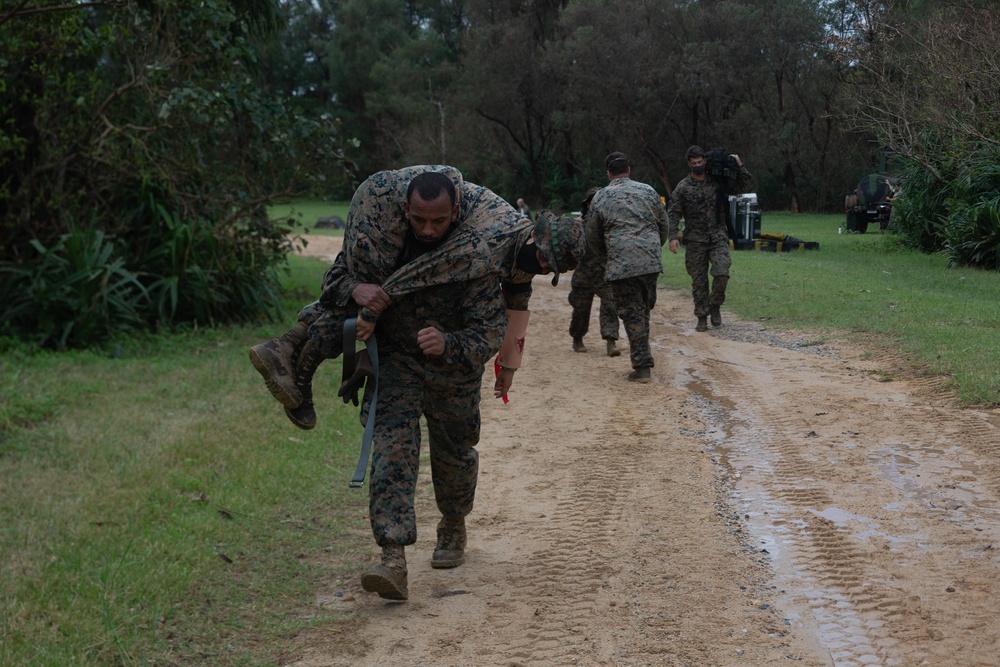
[700, 260]
[450, 405]
[326, 327]
[635, 298]
[581, 297]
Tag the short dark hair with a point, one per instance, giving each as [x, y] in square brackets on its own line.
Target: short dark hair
[616, 163]
[429, 185]
[694, 152]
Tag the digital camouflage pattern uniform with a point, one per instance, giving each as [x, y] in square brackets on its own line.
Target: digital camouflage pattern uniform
[706, 237]
[629, 230]
[453, 287]
[484, 241]
[444, 389]
[587, 281]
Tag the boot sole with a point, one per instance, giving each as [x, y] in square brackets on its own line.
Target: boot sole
[386, 588]
[304, 425]
[445, 563]
[267, 371]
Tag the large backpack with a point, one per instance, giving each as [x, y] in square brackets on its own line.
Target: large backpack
[721, 167]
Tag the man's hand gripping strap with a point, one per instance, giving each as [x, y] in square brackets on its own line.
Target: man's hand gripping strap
[349, 382]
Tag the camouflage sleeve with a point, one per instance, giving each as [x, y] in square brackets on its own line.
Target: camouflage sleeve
[485, 321]
[662, 223]
[743, 180]
[675, 211]
[338, 284]
[593, 231]
[517, 290]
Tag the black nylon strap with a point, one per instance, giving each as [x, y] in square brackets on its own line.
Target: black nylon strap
[350, 362]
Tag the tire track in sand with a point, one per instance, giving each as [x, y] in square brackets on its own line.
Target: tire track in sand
[846, 558]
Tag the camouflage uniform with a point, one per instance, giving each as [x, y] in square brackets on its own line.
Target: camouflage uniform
[444, 389]
[706, 237]
[587, 281]
[630, 228]
[484, 241]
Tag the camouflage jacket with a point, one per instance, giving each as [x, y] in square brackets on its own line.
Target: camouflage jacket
[628, 230]
[696, 202]
[483, 242]
[589, 273]
[469, 312]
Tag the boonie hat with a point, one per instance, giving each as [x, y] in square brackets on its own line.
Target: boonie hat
[560, 240]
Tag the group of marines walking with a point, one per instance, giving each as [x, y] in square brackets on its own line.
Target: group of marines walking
[438, 271]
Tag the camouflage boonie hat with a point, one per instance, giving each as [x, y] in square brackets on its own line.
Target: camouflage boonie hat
[561, 241]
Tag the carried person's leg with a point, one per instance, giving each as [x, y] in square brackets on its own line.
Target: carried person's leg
[275, 359]
[325, 340]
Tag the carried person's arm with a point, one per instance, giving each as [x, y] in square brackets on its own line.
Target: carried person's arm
[338, 284]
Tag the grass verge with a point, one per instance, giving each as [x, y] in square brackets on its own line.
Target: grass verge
[864, 288]
[158, 508]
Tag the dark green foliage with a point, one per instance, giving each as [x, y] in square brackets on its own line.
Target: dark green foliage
[142, 127]
[953, 205]
[74, 293]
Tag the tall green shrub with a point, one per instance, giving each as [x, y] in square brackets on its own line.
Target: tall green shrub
[953, 205]
[76, 292]
[148, 122]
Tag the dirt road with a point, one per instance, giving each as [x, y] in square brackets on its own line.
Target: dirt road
[763, 501]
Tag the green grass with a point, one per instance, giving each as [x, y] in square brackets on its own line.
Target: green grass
[864, 288]
[159, 508]
[306, 212]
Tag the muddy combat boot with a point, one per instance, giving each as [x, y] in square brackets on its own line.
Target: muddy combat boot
[702, 324]
[450, 549]
[388, 578]
[275, 361]
[304, 414]
[639, 375]
[716, 316]
[578, 345]
[613, 350]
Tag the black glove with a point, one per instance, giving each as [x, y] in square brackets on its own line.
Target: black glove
[363, 370]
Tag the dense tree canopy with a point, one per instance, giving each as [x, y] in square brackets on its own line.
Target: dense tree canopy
[142, 142]
[530, 95]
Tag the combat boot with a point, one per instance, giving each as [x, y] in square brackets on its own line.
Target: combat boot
[388, 578]
[275, 361]
[578, 345]
[304, 414]
[450, 549]
[716, 316]
[639, 375]
[613, 350]
[702, 324]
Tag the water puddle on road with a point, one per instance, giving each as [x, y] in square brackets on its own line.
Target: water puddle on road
[818, 550]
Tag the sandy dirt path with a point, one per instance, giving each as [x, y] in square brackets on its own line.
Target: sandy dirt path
[764, 500]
